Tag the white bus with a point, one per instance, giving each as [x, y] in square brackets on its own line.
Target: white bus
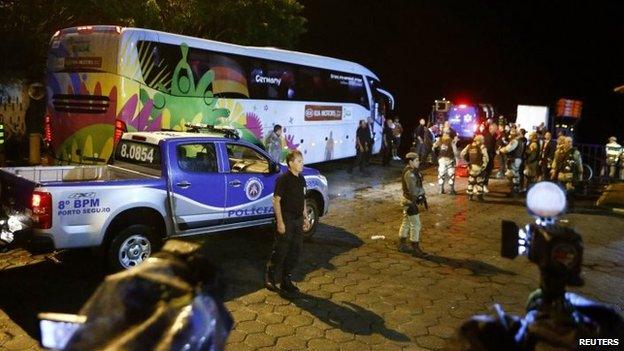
[103, 80]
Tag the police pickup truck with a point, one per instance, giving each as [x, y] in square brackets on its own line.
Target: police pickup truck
[158, 185]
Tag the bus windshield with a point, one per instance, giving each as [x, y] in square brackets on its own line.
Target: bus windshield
[84, 50]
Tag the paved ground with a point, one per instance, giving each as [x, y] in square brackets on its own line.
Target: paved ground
[613, 197]
[358, 293]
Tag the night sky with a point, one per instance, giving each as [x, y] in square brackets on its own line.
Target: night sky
[500, 52]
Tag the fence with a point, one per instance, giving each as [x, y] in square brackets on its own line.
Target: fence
[594, 157]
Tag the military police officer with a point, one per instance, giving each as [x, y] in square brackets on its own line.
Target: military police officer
[567, 166]
[413, 194]
[477, 157]
[514, 151]
[614, 152]
[532, 155]
[446, 149]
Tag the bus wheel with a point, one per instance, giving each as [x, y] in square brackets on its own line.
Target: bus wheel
[312, 214]
[131, 246]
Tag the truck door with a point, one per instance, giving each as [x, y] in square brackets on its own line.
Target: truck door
[198, 186]
[250, 183]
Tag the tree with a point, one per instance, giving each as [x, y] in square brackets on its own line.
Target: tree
[26, 26]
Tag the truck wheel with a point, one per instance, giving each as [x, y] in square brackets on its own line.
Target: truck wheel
[313, 216]
[131, 246]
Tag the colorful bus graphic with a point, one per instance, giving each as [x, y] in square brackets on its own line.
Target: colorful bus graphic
[103, 80]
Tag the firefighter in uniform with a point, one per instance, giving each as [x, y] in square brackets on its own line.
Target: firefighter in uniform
[476, 155]
[567, 167]
[413, 195]
[614, 153]
[532, 156]
[446, 149]
[514, 151]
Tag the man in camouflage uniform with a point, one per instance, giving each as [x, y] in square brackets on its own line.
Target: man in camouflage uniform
[446, 149]
[614, 152]
[413, 194]
[477, 156]
[514, 152]
[567, 167]
[531, 163]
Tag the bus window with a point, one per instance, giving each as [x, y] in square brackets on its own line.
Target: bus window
[272, 80]
[157, 62]
[310, 84]
[229, 74]
[345, 87]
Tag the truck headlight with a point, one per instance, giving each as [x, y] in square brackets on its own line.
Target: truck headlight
[323, 179]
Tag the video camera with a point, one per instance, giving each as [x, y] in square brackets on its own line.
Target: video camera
[554, 319]
[557, 250]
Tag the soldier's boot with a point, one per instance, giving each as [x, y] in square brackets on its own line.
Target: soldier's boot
[287, 284]
[403, 247]
[441, 188]
[416, 251]
[269, 279]
[480, 198]
[452, 192]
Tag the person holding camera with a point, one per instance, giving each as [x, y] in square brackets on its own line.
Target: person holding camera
[413, 195]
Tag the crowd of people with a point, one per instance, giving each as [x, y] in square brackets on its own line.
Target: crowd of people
[523, 158]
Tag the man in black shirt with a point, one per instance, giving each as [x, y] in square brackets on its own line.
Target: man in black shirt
[547, 155]
[419, 139]
[290, 209]
[362, 146]
[489, 140]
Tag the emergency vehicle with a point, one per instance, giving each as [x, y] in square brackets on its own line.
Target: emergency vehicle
[158, 185]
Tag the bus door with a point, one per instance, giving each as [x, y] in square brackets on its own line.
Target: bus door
[384, 103]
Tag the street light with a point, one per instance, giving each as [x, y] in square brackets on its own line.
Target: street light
[619, 89]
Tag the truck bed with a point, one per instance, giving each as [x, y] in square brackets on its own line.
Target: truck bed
[74, 173]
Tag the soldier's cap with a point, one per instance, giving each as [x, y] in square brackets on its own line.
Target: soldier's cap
[412, 156]
[612, 139]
